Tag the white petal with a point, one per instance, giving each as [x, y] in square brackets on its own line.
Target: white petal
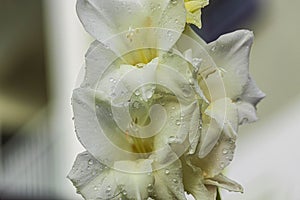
[210, 134]
[192, 42]
[194, 129]
[224, 182]
[246, 112]
[224, 111]
[168, 180]
[252, 94]
[231, 52]
[97, 60]
[104, 19]
[92, 179]
[190, 33]
[134, 178]
[194, 184]
[96, 128]
[223, 116]
[218, 158]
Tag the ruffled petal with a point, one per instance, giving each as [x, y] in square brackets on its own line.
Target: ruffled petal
[103, 22]
[194, 183]
[133, 178]
[252, 94]
[96, 128]
[224, 182]
[94, 180]
[246, 112]
[98, 59]
[168, 180]
[218, 158]
[220, 116]
[231, 53]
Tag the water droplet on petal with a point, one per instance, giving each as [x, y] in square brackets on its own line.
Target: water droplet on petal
[191, 81]
[214, 48]
[108, 189]
[150, 187]
[177, 122]
[175, 180]
[174, 2]
[136, 105]
[225, 151]
[222, 165]
[91, 162]
[196, 62]
[149, 94]
[167, 172]
[172, 139]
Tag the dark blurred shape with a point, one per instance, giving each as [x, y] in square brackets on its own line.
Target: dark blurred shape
[23, 84]
[223, 16]
[24, 162]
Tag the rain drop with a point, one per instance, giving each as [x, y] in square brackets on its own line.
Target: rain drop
[150, 187]
[91, 162]
[174, 2]
[167, 172]
[222, 165]
[191, 81]
[225, 151]
[175, 180]
[136, 105]
[149, 94]
[196, 62]
[186, 92]
[172, 139]
[177, 122]
[137, 93]
[213, 49]
[108, 189]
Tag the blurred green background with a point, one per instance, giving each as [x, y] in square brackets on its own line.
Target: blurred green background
[42, 47]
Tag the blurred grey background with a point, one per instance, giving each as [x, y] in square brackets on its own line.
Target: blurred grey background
[42, 46]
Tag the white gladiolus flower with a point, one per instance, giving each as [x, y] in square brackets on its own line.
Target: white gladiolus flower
[158, 109]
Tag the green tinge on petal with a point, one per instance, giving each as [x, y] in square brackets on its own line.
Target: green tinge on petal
[94, 180]
[193, 181]
[224, 182]
[193, 8]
